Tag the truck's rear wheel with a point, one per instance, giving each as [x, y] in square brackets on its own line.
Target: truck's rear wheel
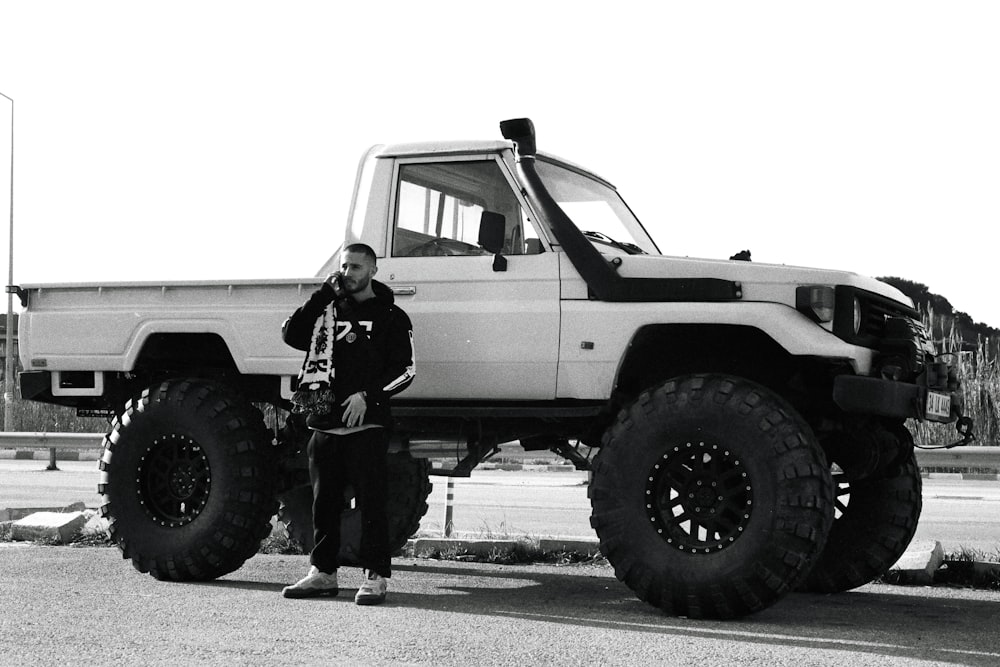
[710, 497]
[409, 486]
[187, 482]
[875, 521]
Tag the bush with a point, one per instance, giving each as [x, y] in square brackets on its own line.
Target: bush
[978, 370]
[44, 418]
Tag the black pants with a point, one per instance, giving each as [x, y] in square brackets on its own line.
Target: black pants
[357, 460]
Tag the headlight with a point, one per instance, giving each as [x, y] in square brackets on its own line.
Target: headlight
[857, 315]
[817, 303]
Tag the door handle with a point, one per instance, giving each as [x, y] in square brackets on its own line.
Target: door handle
[403, 290]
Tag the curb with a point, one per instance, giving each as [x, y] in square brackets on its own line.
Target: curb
[923, 563]
[967, 476]
[528, 467]
[424, 546]
[43, 455]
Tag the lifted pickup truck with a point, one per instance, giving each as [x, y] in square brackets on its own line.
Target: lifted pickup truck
[748, 419]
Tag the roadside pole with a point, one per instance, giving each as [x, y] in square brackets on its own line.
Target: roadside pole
[8, 389]
[448, 524]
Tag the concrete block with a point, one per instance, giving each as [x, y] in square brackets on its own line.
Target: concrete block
[920, 562]
[15, 513]
[588, 547]
[58, 526]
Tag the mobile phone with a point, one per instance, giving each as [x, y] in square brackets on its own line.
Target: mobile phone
[337, 283]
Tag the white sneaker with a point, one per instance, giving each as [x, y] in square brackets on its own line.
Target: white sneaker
[312, 585]
[372, 590]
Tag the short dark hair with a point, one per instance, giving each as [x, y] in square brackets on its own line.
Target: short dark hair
[364, 249]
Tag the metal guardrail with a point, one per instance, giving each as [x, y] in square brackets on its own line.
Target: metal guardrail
[961, 457]
[45, 440]
[50, 441]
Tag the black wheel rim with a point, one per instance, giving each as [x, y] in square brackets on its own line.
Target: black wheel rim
[174, 480]
[699, 497]
[842, 491]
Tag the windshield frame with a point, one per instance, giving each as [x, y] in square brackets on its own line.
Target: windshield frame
[630, 229]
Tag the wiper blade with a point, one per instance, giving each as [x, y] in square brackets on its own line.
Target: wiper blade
[630, 248]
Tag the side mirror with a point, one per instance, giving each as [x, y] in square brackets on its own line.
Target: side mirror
[492, 229]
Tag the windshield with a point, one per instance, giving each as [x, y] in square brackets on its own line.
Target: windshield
[596, 210]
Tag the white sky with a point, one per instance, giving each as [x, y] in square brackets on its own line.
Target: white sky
[190, 140]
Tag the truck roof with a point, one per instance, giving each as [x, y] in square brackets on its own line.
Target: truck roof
[441, 148]
[486, 147]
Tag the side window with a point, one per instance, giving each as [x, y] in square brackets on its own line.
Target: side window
[439, 206]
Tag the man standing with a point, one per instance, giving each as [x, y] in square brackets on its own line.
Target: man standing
[359, 352]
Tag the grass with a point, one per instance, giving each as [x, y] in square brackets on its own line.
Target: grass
[965, 568]
[275, 543]
[524, 550]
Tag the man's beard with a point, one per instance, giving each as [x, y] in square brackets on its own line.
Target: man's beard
[355, 286]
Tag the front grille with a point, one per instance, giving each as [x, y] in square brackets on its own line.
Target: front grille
[876, 310]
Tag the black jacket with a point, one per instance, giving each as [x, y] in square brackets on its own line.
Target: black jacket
[378, 359]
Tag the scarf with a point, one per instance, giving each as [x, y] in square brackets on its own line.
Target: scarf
[315, 391]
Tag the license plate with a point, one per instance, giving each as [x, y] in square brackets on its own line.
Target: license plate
[938, 405]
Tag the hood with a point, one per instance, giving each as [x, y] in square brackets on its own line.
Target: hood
[759, 281]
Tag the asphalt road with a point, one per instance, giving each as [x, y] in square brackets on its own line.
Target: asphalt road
[81, 606]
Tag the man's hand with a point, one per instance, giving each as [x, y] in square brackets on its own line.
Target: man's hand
[335, 281]
[356, 406]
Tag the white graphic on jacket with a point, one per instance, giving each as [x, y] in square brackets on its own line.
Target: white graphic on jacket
[345, 330]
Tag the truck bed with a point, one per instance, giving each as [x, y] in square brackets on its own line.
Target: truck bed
[110, 322]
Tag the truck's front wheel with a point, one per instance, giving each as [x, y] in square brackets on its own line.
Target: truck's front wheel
[711, 497]
[187, 481]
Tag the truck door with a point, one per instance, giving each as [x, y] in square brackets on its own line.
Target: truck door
[478, 333]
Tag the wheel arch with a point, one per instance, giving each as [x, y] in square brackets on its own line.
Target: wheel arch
[658, 352]
[183, 351]
[186, 354]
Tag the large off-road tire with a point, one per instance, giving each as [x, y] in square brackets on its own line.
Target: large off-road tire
[710, 497]
[188, 482]
[408, 485]
[875, 521]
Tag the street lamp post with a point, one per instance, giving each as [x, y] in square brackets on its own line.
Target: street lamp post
[8, 379]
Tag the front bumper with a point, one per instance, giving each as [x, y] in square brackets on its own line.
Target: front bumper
[891, 398]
